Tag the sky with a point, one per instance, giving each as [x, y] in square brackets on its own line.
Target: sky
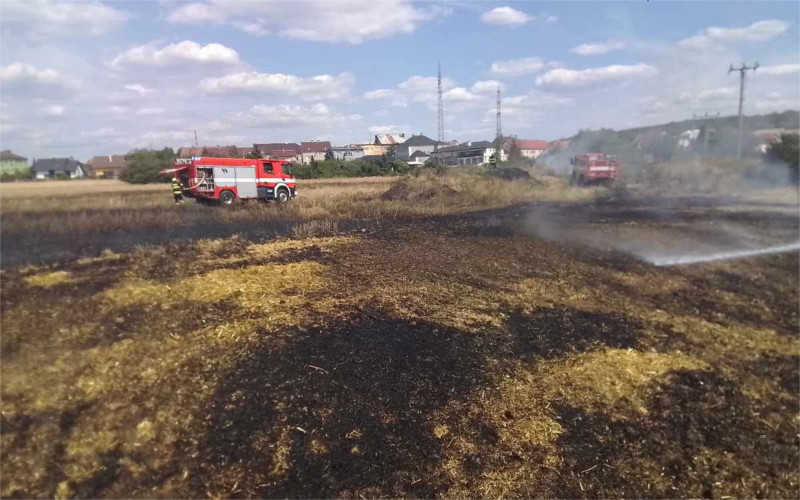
[92, 78]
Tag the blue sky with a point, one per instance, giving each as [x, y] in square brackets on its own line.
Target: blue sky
[89, 78]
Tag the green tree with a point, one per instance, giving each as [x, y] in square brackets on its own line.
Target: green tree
[254, 154]
[143, 166]
[329, 155]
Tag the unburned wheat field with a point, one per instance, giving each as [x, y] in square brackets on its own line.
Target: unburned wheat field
[457, 337]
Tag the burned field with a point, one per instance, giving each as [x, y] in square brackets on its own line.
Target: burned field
[480, 354]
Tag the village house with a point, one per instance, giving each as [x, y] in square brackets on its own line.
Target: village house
[347, 153]
[217, 151]
[59, 167]
[107, 166]
[468, 153]
[528, 148]
[418, 158]
[314, 150]
[415, 143]
[11, 163]
[289, 151]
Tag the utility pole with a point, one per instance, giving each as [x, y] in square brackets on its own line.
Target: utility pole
[195, 138]
[742, 70]
[705, 129]
[499, 126]
[441, 107]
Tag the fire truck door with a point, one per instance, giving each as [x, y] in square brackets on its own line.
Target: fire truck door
[246, 182]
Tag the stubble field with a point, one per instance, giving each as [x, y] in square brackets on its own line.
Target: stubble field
[459, 337]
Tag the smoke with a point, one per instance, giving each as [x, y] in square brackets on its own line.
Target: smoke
[668, 231]
[689, 259]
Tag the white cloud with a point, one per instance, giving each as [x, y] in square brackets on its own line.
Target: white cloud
[708, 94]
[149, 111]
[317, 87]
[506, 16]
[100, 133]
[53, 111]
[43, 20]
[254, 28]
[596, 48]
[138, 88]
[651, 105]
[286, 115]
[460, 94]
[574, 79]
[778, 70]
[522, 66]
[177, 53]
[387, 129]
[23, 72]
[378, 94]
[487, 86]
[23, 79]
[760, 31]
[350, 21]
[196, 13]
[775, 101]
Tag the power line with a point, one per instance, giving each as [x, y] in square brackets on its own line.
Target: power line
[744, 69]
[441, 107]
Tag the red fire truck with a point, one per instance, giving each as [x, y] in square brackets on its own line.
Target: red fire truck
[590, 168]
[226, 180]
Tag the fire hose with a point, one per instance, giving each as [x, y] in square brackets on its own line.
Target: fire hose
[198, 183]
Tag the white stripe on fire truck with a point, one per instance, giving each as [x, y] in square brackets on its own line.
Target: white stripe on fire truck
[263, 179]
[600, 169]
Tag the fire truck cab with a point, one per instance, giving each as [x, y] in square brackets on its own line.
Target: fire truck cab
[226, 180]
[590, 168]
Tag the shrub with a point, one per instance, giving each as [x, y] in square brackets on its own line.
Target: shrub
[786, 151]
[143, 166]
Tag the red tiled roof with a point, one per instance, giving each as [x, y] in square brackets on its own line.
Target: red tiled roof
[108, 162]
[532, 144]
[268, 148]
[315, 146]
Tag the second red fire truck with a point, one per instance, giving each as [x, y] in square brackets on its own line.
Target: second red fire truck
[226, 180]
[590, 168]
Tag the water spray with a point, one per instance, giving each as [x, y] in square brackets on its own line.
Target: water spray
[696, 259]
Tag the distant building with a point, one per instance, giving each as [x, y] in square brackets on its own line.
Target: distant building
[59, 167]
[107, 167]
[416, 143]
[290, 151]
[373, 149]
[418, 158]
[389, 139]
[218, 151]
[347, 153]
[468, 153]
[528, 148]
[11, 163]
[314, 150]
[686, 137]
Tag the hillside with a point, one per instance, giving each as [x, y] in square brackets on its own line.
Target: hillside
[785, 119]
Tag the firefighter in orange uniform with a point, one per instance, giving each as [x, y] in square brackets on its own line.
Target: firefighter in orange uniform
[177, 190]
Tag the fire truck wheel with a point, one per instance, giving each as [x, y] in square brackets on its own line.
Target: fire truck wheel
[227, 198]
[282, 196]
